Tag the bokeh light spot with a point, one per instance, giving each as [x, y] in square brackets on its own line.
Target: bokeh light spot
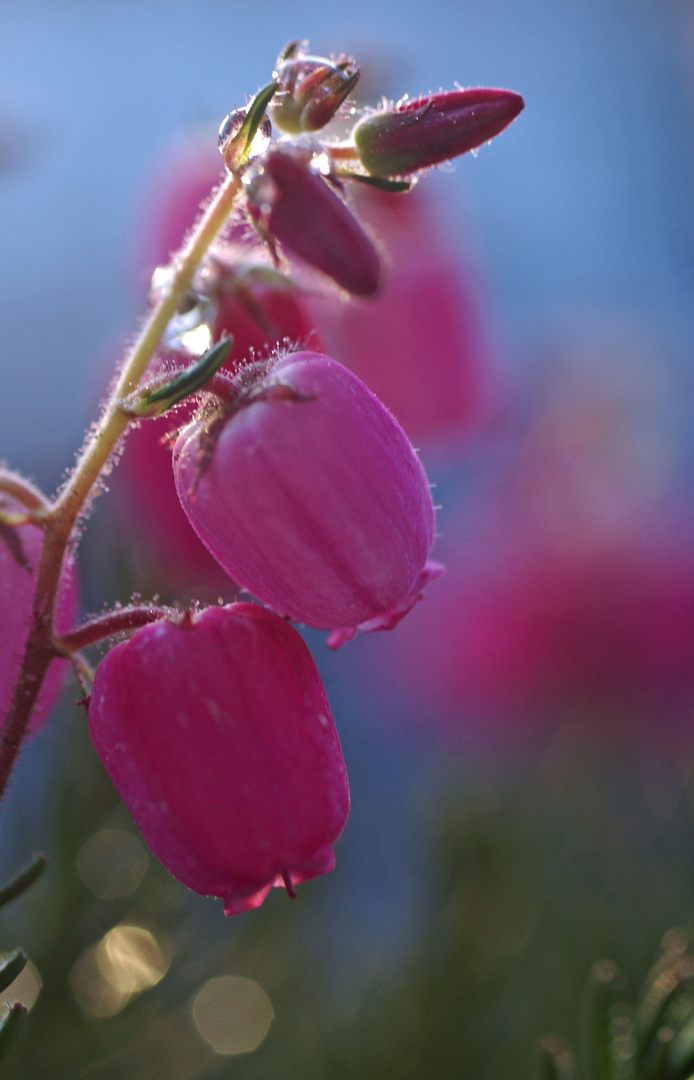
[126, 961]
[112, 863]
[24, 989]
[233, 1014]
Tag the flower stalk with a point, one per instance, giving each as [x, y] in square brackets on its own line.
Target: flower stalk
[60, 518]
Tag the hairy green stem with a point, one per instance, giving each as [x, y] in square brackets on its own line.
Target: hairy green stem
[60, 518]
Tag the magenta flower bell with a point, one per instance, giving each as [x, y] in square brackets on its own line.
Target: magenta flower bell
[20, 553]
[314, 500]
[414, 134]
[217, 734]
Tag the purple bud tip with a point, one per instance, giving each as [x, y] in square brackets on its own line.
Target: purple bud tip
[217, 734]
[292, 203]
[316, 503]
[415, 134]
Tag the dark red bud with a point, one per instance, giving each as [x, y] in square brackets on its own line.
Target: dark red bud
[415, 134]
[292, 203]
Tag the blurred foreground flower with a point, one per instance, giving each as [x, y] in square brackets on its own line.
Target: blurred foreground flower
[217, 734]
[311, 497]
[20, 554]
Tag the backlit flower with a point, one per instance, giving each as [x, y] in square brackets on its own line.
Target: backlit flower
[217, 734]
[312, 499]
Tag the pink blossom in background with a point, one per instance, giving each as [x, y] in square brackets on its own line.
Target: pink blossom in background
[217, 734]
[314, 501]
[510, 653]
[567, 597]
[421, 345]
[181, 181]
[18, 567]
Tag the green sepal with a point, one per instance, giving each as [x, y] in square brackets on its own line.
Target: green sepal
[380, 182]
[150, 403]
[24, 879]
[12, 966]
[238, 149]
[10, 1026]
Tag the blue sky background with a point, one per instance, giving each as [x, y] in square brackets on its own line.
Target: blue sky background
[583, 210]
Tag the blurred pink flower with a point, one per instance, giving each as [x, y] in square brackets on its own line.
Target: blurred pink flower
[421, 345]
[20, 553]
[607, 636]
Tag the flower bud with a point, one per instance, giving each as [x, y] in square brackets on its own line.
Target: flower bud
[413, 135]
[20, 554]
[291, 203]
[217, 734]
[314, 501]
[311, 89]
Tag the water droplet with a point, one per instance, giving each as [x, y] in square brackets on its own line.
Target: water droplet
[232, 124]
[321, 164]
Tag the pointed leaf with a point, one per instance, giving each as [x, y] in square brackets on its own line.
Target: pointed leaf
[155, 402]
[24, 879]
[380, 182]
[10, 1026]
[12, 966]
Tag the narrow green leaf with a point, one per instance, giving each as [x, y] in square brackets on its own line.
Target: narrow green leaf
[24, 880]
[237, 149]
[379, 182]
[10, 1026]
[155, 402]
[12, 966]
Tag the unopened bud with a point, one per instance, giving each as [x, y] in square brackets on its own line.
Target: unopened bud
[415, 134]
[292, 203]
[310, 89]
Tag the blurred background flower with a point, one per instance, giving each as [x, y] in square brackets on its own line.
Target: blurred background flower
[520, 748]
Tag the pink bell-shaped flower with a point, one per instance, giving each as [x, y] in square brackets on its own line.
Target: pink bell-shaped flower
[312, 498]
[20, 553]
[217, 734]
